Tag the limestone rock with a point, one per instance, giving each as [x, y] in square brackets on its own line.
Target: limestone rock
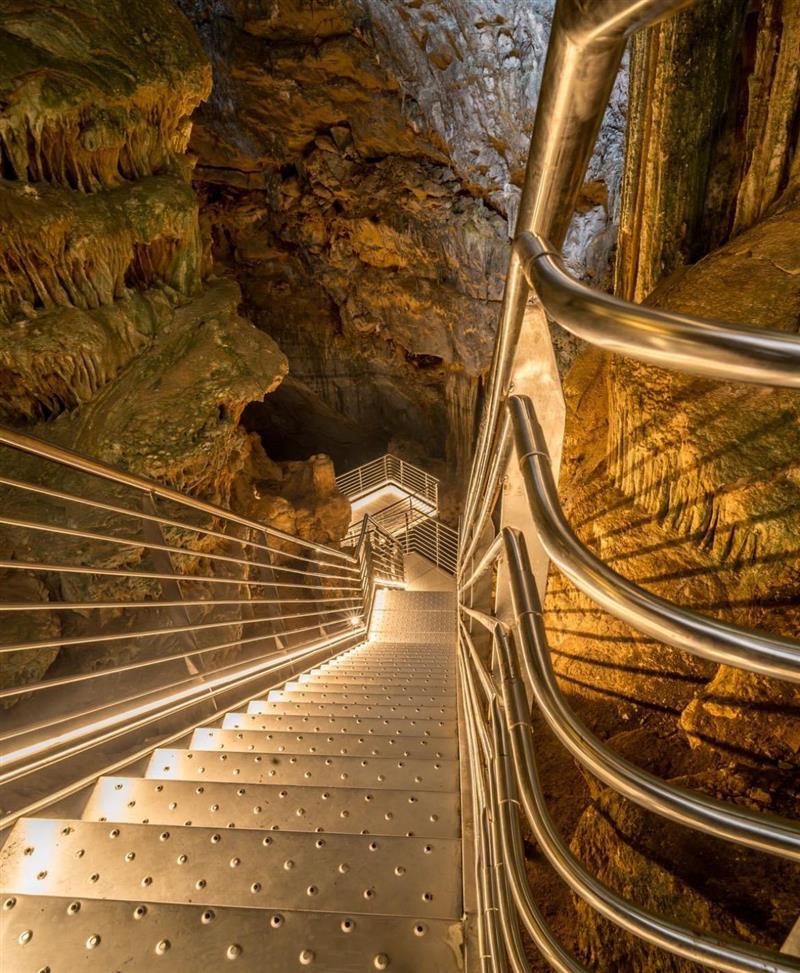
[173, 415]
[297, 497]
[713, 890]
[19, 668]
[360, 163]
[94, 92]
[712, 146]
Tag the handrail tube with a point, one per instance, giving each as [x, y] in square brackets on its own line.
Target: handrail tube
[76, 786]
[491, 954]
[488, 557]
[194, 694]
[473, 529]
[18, 606]
[583, 57]
[60, 641]
[168, 548]
[715, 349]
[707, 638]
[510, 839]
[33, 687]
[67, 457]
[712, 951]
[141, 515]
[11, 565]
[220, 646]
[765, 832]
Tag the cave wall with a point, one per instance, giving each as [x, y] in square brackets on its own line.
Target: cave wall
[691, 487]
[712, 137]
[115, 339]
[360, 164]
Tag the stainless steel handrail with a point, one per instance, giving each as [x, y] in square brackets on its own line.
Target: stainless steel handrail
[385, 470]
[778, 836]
[586, 45]
[416, 531]
[291, 596]
[65, 457]
[587, 42]
[710, 951]
[708, 638]
[680, 341]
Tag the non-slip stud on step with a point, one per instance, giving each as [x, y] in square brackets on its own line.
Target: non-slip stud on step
[320, 829]
[66, 935]
[182, 803]
[339, 724]
[357, 710]
[343, 744]
[352, 874]
[383, 773]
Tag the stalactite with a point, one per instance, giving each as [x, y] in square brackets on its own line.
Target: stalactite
[461, 393]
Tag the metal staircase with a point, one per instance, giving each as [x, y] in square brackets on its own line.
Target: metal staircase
[264, 769]
[319, 827]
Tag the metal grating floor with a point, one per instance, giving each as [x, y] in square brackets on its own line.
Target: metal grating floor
[318, 830]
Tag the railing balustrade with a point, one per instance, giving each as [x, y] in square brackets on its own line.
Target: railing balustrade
[586, 46]
[390, 470]
[156, 607]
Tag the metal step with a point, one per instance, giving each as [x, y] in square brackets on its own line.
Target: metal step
[351, 874]
[365, 711]
[317, 771]
[256, 741]
[338, 724]
[106, 936]
[323, 681]
[342, 698]
[356, 672]
[183, 803]
[320, 828]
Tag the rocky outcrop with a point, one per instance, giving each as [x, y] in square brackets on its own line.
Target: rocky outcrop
[634, 853]
[359, 163]
[712, 137]
[114, 338]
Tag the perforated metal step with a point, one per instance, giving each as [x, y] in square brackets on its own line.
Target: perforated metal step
[318, 829]
[387, 773]
[355, 874]
[357, 710]
[67, 934]
[344, 744]
[181, 803]
[339, 724]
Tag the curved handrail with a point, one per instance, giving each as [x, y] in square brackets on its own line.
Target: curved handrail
[707, 638]
[776, 835]
[714, 952]
[765, 832]
[587, 41]
[737, 353]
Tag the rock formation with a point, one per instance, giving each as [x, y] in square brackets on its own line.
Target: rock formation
[114, 338]
[691, 487]
[359, 163]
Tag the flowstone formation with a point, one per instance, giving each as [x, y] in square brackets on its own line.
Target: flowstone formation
[359, 163]
[114, 338]
[691, 487]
